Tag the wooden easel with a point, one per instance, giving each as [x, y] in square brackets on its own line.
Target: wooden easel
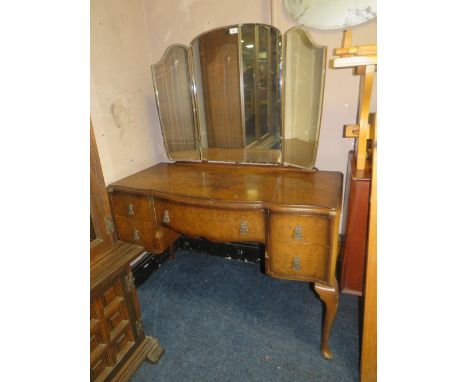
[364, 59]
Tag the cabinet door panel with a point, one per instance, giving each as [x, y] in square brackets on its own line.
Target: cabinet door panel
[116, 327]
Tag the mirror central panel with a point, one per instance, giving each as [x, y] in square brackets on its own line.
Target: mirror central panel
[236, 73]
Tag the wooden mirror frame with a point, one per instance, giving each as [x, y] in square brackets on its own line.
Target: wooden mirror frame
[100, 209]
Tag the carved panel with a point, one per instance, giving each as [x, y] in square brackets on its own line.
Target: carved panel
[111, 336]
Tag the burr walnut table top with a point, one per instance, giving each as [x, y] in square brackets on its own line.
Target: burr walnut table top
[242, 186]
[295, 213]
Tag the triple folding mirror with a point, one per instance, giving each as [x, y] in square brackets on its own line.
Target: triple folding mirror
[244, 94]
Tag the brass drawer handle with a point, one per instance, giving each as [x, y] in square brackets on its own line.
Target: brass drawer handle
[296, 264]
[129, 282]
[297, 233]
[136, 235]
[166, 218]
[243, 227]
[139, 326]
[130, 210]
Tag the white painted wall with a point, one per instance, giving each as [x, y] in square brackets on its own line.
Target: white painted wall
[128, 36]
[180, 21]
[341, 91]
[123, 109]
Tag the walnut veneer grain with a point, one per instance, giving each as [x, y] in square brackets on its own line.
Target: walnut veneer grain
[238, 186]
[294, 212]
[314, 228]
[137, 207]
[212, 223]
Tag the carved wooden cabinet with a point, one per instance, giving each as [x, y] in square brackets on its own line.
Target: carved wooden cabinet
[117, 338]
[113, 331]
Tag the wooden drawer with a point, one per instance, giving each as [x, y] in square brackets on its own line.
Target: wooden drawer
[163, 238]
[295, 260]
[136, 231]
[223, 225]
[134, 206]
[300, 228]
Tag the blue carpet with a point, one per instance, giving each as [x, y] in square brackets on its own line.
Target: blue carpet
[224, 320]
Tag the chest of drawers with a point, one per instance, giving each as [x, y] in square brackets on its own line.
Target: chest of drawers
[294, 213]
[136, 222]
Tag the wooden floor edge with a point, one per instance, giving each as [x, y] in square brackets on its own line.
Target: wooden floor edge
[150, 348]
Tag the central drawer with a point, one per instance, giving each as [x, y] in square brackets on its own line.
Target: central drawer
[215, 224]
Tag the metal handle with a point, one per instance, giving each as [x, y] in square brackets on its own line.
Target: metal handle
[243, 227]
[166, 218]
[129, 282]
[130, 210]
[297, 233]
[296, 263]
[136, 235]
[139, 326]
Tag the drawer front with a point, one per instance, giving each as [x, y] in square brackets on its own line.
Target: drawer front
[163, 238]
[313, 229]
[295, 260]
[134, 206]
[136, 231]
[222, 225]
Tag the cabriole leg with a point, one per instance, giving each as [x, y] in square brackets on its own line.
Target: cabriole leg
[329, 296]
[172, 254]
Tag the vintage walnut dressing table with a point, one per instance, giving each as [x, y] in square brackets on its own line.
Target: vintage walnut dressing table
[240, 113]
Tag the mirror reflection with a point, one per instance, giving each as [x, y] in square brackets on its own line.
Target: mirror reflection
[304, 71]
[238, 98]
[261, 58]
[241, 94]
[172, 84]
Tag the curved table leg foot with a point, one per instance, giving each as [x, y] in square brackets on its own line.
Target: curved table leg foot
[172, 254]
[329, 296]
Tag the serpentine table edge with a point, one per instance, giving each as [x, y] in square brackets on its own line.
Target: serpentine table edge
[294, 212]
